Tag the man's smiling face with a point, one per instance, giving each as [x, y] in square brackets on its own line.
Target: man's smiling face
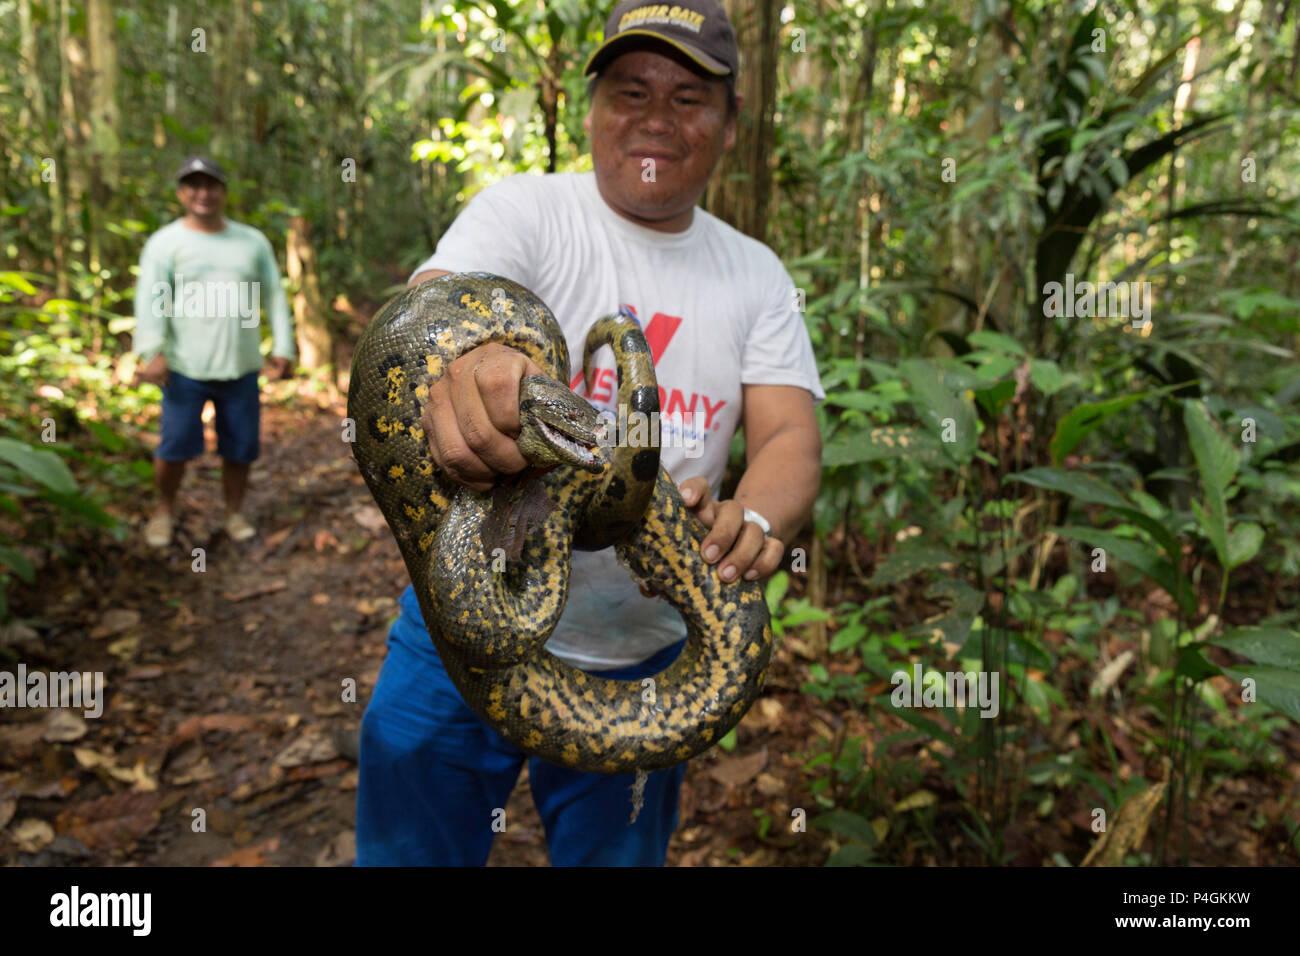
[650, 106]
[202, 196]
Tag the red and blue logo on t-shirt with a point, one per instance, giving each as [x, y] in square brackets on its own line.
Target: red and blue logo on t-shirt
[673, 403]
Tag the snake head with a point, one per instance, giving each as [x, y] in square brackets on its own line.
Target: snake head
[558, 427]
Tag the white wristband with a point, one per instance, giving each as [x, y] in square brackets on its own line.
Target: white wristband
[758, 519]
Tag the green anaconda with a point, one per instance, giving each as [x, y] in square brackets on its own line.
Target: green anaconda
[490, 608]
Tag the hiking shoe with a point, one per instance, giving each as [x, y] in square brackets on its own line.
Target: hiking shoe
[158, 532]
[238, 528]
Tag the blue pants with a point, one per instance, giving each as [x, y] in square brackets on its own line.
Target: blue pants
[434, 779]
[238, 405]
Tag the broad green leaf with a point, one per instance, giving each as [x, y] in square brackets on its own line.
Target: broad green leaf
[1046, 376]
[1093, 490]
[16, 561]
[1192, 665]
[851, 854]
[918, 720]
[1274, 646]
[907, 561]
[991, 367]
[38, 464]
[17, 281]
[995, 341]
[844, 823]
[1075, 426]
[1244, 543]
[940, 410]
[889, 441]
[1078, 484]
[1216, 460]
[84, 507]
[1138, 555]
[775, 592]
[1274, 686]
[848, 637]
[953, 628]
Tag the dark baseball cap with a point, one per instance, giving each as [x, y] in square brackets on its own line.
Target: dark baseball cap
[699, 28]
[200, 164]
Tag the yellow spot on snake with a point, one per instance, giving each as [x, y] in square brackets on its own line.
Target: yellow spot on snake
[474, 305]
[415, 514]
[434, 364]
[438, 500]
[395, 377]
[397, 473]
[426, 539]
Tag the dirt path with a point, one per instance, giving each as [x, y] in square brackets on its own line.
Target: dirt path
[225, 687]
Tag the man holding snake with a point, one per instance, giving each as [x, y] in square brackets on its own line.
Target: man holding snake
[730, 351]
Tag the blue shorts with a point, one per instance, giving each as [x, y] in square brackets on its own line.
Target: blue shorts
[239, 408]
[433, 777]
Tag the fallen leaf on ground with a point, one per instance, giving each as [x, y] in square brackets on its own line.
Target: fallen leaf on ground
[270, 587]
[62, 726]
[316, 771]
[115, 622]
[112, 822]
[1111, 673]
[915, 801]
[7, 808]
[737, 771]
[250, 855]
[340, 851]
[138, 776]
[21, 739]
[370, 518]
[314, 746]
[192, 726]
[32, 835]
[16, 632]
[185, 619]
[125, 648]
[1128, 828]
[148, 672]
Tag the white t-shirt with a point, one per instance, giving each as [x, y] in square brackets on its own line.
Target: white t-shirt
[718, 309]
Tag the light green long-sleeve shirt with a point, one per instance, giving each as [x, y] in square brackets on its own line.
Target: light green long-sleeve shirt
[200, 298]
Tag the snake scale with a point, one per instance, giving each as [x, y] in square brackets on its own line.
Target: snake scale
[490, 609]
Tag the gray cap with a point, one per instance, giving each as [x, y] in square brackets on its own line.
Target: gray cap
[698, 28]
[200, 164]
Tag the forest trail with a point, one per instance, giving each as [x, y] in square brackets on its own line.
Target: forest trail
[224, 688]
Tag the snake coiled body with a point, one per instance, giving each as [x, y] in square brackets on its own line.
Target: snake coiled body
[490, 608]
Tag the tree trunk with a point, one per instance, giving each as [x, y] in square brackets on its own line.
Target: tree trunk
[104, 144]
[315, 343]
[740, 192]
